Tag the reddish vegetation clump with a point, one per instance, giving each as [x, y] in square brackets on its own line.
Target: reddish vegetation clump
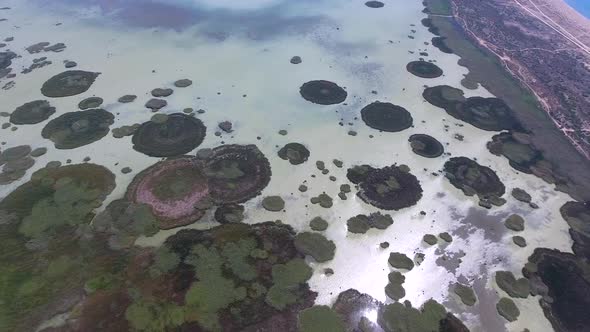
[172, 188]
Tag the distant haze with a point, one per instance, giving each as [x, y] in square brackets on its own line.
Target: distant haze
[228, 4]
[582, 6]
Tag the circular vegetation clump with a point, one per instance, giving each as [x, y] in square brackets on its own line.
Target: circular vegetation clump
[236, 173]
[75, 129]
[14, 153]
[318, 224]
[53, 251]
[390, 188]
[443, 96]
[374, 4]
[155, 104]
[295, 153]
[320, 319]
[386, 117]
[508, 309]
[353, 308]
[125, 221]
[90, 102]
[229, 213]
[359, 173]
[577, 216]
[160, 92]
[472, 178]
[172, 188]
[32, 112]
[15, 161]
[6, 59]
[512, 286]
[296, 60]
[233, 277]
[273, 203]
[465, 293]
[400, 261]
[424, 69]
[176, 134]
[563, 282]
[361, 223]
[426, 146]
[324, 200]
[315, 245]
[127, 99]
[490, 114]
[441, 44]
[516, 147]
[68, 83]
[323, 92]
[183, 83]
[57, 197]
[427, 22]
[515, 222]
[238, 277]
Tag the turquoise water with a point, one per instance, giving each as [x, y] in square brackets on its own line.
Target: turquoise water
[582, 6]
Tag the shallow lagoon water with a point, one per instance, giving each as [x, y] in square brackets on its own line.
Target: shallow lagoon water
[238, 59]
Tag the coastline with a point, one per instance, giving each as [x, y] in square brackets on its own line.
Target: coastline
[492, 70]
[562, 8]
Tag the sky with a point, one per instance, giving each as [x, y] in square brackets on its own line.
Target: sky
[582, 6]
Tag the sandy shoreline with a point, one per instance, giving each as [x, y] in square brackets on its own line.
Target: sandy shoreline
[557, 116]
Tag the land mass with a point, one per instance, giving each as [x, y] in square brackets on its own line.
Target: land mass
[544, 46]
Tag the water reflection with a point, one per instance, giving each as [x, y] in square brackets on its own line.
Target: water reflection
[257, 20]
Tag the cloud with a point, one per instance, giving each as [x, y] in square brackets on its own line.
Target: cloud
[216, 19]
[227, 4]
